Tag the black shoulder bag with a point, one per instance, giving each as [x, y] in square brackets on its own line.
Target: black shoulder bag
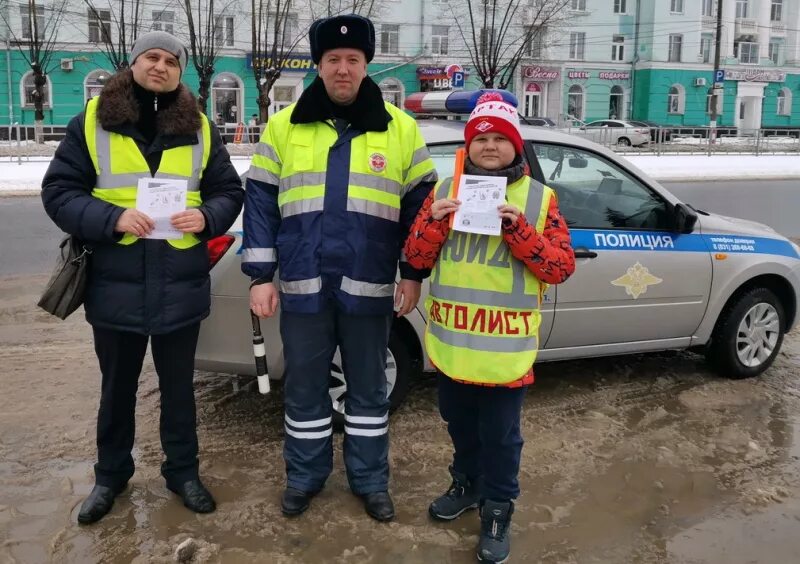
[66, 287]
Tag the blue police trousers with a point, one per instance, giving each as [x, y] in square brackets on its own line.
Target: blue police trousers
[309, 344]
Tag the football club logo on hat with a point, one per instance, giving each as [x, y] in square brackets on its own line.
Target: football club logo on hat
[344, 30]
[484, 126]
[377, 162]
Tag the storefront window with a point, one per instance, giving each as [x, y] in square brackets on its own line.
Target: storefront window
[675, 100]
[94, 83]
[784, 102]
[29, 92]
[392, 91]
[575, 102]
[615, 102]
[282, 97]
[226, 96]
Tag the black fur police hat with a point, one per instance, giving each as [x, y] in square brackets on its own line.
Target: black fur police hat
[356, 32]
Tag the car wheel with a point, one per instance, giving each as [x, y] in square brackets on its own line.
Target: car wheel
[399, 368]
[748, 335]
[624, 142]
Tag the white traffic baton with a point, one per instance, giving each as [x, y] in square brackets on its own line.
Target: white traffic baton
[260, 354]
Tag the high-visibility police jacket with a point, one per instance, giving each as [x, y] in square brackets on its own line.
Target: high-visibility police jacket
[144, 286]
[483, 306]
[331, 212]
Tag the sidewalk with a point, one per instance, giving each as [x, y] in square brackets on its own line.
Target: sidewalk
[26, 178]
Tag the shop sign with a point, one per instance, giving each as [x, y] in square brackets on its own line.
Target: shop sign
[614, 75]
[542, 74]
[755, 75]
[576, 75]
[295, 63]
[441, 78]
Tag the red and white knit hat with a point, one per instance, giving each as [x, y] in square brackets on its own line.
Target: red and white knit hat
[492, 114]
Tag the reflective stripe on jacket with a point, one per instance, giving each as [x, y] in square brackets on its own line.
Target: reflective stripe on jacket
[119, 164]
[483, 306]
[336, 229]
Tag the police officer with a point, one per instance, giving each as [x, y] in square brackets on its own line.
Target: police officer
[144, 124]
[334, 186]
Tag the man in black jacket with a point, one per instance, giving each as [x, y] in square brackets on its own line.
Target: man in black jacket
[144, 124]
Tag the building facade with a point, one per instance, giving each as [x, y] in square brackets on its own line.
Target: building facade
[759, 54]
[597, 59]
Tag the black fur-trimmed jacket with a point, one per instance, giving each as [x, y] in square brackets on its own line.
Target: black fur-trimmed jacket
[147, 287]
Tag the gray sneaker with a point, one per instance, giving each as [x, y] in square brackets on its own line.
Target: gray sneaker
[495, 544]
[462, 495]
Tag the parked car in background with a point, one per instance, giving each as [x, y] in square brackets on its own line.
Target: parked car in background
[538, 121]
[616, 132]
[652, 274]
[658, 133]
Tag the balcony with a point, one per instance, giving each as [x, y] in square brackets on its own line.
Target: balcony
[746, 25]
[709, 23]
[778, 29]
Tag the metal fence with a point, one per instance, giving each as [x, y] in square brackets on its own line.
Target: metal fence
[17, 142]
[694, 140]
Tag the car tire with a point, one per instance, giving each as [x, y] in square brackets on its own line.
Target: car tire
[748, 335]
[624, 142]
[400, 367]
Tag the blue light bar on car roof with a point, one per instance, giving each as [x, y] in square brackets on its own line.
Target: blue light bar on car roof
[456, 102]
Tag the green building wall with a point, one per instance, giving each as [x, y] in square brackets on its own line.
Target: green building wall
[651, 89]
[68, 86]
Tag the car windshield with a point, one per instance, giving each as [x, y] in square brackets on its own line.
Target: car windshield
[444, 158]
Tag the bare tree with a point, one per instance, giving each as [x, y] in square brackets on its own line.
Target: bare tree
[275, 34]
[126, 21]
[206, 37]
[327, 8]
[497, 33]
[40, 28]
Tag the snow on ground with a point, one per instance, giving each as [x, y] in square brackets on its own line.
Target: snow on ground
[27, 176]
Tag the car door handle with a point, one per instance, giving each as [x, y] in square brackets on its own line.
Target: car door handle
[585, 253]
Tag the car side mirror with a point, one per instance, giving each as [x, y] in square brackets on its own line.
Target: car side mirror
[577, 162]
[684, 219]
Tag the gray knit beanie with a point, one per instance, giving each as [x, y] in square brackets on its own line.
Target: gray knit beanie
[160, 40]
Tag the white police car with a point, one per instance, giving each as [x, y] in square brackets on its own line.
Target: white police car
[652, 274]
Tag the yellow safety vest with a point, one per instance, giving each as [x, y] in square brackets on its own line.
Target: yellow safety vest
[483, 306]
[119, 164]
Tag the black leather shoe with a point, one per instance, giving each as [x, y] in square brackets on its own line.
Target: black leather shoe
[294, 501]
[379, 506]
[98, 504]
[195, 496]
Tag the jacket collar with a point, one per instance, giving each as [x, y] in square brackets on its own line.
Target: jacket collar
[314, 105]
[118, 111]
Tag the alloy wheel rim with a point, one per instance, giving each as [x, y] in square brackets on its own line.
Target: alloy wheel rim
[338, 388]
[757, 335]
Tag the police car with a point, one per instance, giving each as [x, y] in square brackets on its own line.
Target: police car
[652, 272]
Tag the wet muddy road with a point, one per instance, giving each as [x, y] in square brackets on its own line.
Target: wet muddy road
[643, 459]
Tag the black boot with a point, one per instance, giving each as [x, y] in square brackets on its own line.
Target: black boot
[495, 544]
[460, 497]
[98, 504]
[379, 506]
[294, 501]
[195, 496]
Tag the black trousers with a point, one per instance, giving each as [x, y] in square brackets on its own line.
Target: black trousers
[121, 355]
[483, 423]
